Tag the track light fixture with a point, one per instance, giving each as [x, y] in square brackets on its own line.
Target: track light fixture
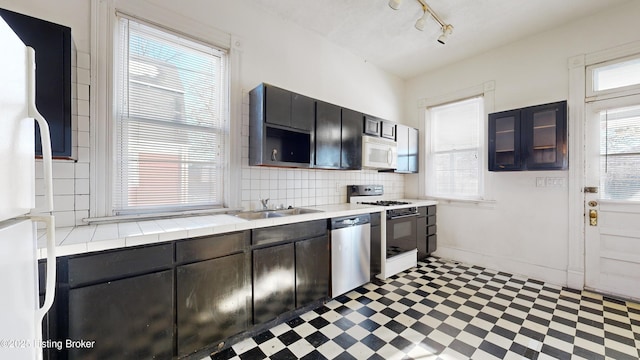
[447, 29]
[395, 4]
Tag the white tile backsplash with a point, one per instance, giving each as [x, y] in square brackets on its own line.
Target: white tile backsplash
[83, 61]
[64, 186]
[84, 76]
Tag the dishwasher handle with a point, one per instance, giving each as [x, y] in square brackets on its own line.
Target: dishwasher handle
[348, 221]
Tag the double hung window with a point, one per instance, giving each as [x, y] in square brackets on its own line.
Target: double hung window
[455, 148]
[170, 121]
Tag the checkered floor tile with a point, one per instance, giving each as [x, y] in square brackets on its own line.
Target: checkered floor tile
[447, 310]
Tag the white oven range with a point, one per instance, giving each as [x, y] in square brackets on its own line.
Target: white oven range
[398, 247]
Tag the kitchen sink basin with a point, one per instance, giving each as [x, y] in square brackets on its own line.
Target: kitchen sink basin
[267, 214]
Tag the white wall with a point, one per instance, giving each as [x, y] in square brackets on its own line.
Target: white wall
[270, 50]
[526, 230]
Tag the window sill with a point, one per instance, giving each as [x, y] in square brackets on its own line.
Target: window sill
[155, 216]
[479, 203]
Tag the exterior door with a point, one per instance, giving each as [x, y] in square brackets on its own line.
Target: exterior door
[612, 197]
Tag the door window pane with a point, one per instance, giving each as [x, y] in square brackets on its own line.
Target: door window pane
[620, 153]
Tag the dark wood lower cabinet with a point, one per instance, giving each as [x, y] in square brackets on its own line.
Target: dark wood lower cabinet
[312, 270]
[376, 244]
[128, 319]
[212, 301]
[273, 282]
[426, 224]
[174, 299]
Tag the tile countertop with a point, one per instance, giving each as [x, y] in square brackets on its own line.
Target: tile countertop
[89, 238]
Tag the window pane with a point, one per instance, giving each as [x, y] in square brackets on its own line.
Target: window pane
[456, 125]
[616, 75]
[455, 147]
[170, 122]
[620, 153]
[457, 173]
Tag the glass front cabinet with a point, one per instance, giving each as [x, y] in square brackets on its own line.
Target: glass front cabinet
[532, 138]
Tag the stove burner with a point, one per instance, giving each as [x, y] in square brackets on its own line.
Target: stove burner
[385, 203]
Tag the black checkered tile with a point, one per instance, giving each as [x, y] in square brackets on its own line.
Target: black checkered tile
[447, 310]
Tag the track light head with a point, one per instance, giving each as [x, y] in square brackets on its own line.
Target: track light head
[446, 31]
[421, 22]
[395, 4]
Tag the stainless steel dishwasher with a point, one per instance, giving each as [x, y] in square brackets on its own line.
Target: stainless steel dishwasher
[350, 252]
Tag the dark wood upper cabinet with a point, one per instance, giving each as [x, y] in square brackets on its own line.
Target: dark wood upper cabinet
[531, 138]
[52, 44]
[280, 127]
[351, 138]
[328, 137]
[302, 112]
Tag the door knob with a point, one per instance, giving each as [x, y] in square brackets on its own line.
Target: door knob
[593, 217]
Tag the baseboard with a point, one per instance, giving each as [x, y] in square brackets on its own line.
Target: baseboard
[509, 265]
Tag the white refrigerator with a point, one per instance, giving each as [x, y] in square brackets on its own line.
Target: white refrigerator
[20, 312]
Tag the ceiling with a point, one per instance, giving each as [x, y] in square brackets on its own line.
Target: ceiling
[388, 38]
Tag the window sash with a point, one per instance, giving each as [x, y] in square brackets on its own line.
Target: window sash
[170, 122]
[455, 151]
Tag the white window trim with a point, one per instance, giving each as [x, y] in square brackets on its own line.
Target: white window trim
[487, 91]
[103, 29]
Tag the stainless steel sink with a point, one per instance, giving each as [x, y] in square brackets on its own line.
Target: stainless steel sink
[267, 214]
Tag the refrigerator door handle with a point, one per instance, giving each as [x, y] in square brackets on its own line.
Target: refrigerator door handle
[49, 219]
[45, 136]
[50, 288]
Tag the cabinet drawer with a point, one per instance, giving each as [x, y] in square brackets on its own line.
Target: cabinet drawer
[209, 247]
[117, 264]
[431, 220]
[431, 210]
[431, 230]
[289, 232]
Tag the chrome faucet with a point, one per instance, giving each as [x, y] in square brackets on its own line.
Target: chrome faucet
[265, 204]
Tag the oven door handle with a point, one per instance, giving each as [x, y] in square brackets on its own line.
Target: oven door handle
[401, 216]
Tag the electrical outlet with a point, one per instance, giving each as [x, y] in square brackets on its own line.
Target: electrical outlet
[337, 187]
[540, 182]
[557, 182]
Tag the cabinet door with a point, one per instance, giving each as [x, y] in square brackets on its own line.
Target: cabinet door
[128, 319]
[402, 139]
[328, 135]
[545, 136]
[212, 301]
[52, 44]
[277, 106]
[413, 150]
[376, 245]
[273, 282]
[303, 112]
[352, 127]
[312, 270]
[504, 141]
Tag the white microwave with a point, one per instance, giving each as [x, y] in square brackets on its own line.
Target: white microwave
[379, 153]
